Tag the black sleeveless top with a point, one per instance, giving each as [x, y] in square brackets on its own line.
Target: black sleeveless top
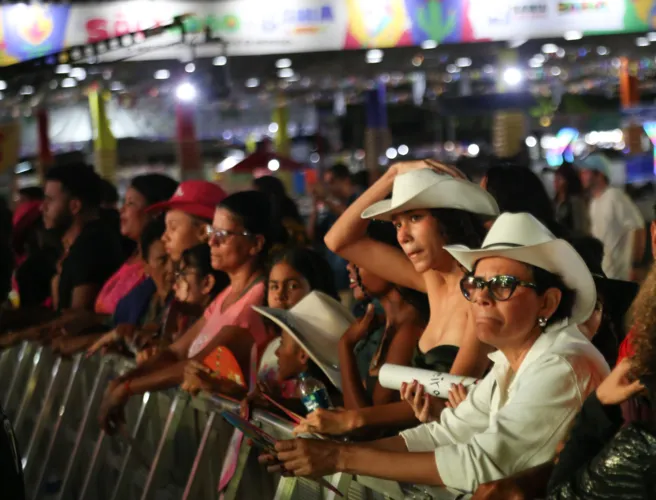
[439, 358]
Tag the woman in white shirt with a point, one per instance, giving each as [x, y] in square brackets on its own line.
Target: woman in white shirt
[527, 290]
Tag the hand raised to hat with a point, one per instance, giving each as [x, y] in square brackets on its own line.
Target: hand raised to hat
[440, 168]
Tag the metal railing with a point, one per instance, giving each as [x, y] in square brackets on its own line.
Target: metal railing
[173, 448]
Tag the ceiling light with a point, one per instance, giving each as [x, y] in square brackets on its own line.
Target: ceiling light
[251, 83]
[534, 63]
[428, 44]
[273, 128]
[531, 141]
[78, 73]
[403, 150]
[162, 74]
[273, 165]
[116, 87]
[473, 150]
[512, 76]
[285, 73]
[190, 68]
[463, 62]
[374, 56]
[602, 51]
[68, 83]
[27, 90]
[3, 85]
[185, 92]
[391, 153]
[220, 61]
[555, 71]
[452, 68]
[63, 69]
[488, 69]
[283, 63]
[642, 41]
[550, 48]
[573, 35]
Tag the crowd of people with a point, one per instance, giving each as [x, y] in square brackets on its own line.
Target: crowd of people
[238, 295]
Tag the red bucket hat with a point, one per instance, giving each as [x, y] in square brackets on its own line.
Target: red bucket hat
[197, 198]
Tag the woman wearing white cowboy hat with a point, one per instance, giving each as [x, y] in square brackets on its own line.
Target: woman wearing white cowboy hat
[527, 291]
[429, 211]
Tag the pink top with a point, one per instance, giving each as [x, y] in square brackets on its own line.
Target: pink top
[129, 275]
[239, 314]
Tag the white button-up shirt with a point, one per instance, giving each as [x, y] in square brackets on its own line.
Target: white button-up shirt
[511, 423]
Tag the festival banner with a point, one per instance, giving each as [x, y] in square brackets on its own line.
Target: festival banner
[31, 30]
[254, 27]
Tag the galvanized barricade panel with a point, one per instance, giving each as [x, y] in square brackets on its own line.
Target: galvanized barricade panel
[173, 447]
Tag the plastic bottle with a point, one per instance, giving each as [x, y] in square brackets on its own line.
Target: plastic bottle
[313, 393]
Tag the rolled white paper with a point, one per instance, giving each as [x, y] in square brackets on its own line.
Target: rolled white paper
[436, 384]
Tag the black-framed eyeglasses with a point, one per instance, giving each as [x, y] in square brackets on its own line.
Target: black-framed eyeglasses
[500, 287]
[222, 234]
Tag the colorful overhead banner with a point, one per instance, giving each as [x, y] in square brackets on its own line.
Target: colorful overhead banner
[252, 27]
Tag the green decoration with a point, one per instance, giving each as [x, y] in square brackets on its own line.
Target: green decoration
[430, 20]
[545, 108]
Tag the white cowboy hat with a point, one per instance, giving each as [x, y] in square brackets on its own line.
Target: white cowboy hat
[316, 322]
[425, 188]
[523, 238]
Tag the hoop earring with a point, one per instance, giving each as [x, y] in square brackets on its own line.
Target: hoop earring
[542, 322]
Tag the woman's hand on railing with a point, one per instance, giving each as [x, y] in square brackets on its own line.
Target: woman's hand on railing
[331, 422]
[197, 378]
[112, 413]
[146, 354]
[425, 406]
[304, 457]
[103, 342]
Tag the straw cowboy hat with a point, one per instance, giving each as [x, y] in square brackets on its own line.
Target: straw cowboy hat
[425, 188]
[317, 323]
[523, 238]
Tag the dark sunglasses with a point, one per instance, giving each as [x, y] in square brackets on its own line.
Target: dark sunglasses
[500, 287]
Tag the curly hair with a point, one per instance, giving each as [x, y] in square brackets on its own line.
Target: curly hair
[642, 315]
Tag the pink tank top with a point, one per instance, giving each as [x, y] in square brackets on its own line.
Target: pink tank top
[118, 285]
[239, 314]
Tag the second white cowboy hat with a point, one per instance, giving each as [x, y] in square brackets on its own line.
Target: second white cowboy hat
[523, 238]
[425, 188]
[316, 322]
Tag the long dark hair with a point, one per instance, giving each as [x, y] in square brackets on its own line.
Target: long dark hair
[517, 189]
[312, 266]
[198, 257]
[459, 227]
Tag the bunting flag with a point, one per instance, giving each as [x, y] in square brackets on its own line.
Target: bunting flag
[281, 137]
[104, 142]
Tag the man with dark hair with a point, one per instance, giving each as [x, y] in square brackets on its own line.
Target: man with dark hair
[92, 247]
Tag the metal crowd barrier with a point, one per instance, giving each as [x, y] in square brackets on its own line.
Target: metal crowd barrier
[173, 448]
